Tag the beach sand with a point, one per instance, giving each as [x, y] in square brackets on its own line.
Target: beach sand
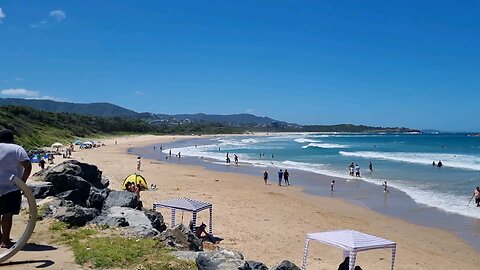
[269, 223]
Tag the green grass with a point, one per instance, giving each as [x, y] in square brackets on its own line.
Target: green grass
[93, 247]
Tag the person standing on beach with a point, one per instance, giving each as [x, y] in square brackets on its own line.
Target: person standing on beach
[332, 184]
[139, 163]
[235, 157]
[265, 176]
[13, 161]
[357, 170]
[351, 168]
[385, 186]
[280, 176]
[286, 174]
[170, 152]
[370, 166]
[476, 194]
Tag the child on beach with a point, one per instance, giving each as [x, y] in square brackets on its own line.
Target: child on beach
[332, 184]
[265, 176]
[385, 186]
[139, 163]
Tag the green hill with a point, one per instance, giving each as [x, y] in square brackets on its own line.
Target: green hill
[35, 128]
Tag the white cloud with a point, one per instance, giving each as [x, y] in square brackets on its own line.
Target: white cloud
[19, 92]
[139, 93]
[58, 14]
[42, 25]
[2, 15]
[249, 111]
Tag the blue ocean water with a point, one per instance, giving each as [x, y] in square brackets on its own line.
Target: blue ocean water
[405, 161]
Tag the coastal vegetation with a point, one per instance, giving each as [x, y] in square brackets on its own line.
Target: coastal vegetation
[105, 248]
[35, 128]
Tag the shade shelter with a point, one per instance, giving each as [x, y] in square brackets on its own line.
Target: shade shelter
[135, 179]
[351, 242]
[186, 204]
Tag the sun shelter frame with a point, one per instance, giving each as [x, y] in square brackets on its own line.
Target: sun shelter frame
[186, 204]
[351, 242]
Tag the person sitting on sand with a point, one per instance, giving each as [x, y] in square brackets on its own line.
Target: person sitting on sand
[201, 233]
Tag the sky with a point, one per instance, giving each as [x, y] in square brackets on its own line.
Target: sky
[383, 63]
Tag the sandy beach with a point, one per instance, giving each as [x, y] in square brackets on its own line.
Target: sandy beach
[268, 223]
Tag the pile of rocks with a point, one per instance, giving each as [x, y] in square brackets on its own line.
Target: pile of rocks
[77, 194]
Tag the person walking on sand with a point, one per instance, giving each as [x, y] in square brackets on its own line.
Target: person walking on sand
[476, 194]
[286, 174]
[332, 184]
[13, 161]
[235, 157]
[139, 163]
[280, 176]
[265, 176]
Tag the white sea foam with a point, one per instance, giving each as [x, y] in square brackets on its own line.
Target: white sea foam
[448, 160]
[305, 140]
[325, 145]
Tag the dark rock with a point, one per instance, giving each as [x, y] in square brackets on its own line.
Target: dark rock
[121, 199]
[135, 221]
[88, 172]
[97, 197]
[253, 265]
[105, 182]
[51, 204]
[75, 215]
[40, 189]
[286, 265]
[185, 255]
[73, 195]
[65, 182]
[156, 219]
[181, 238]
[220, 259]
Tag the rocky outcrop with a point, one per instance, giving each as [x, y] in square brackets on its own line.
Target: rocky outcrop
[253, 265]
[181, 238]
[286, 265]
[75, 215]
[41, 189]
[97, 197]
[121, 199]
[220, 260]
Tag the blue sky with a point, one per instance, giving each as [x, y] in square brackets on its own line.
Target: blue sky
[382, 63]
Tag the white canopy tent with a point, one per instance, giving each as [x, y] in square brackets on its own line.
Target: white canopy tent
[350, 242]
[186, 204]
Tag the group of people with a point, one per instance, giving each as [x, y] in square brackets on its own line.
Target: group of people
[354, 170]
[282, 175]
[439, 164]
[235, 159]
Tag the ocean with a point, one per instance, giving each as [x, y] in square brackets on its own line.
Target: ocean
[419, 191]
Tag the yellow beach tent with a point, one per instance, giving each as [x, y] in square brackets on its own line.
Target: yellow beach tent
[136, 179]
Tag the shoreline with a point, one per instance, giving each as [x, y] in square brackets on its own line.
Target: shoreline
[277, 220]
[397, 203]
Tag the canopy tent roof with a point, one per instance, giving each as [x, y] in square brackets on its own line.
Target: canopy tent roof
[185, 204]
[350, 240]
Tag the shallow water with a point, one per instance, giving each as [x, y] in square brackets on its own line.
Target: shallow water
[420, 192]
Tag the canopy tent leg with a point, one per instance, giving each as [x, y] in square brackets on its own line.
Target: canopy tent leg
[394, 251]
[173, 217]
[305, 254]
[194, 218]
[351, 264]
[210, 230]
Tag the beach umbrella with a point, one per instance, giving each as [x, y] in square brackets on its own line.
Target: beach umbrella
[136, 179]
[57, 145]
